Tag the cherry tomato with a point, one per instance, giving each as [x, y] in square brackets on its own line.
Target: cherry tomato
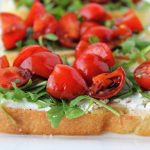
[66, 83]
[13, 74]
[103, 51]
[107, 85]
[41, 63]
[84, 26]
[36, 10]
[103, 33]
[28, 51]
[120, 34]
[4, 62]
[81, 47]
[90, 65]
[44, 24]
[93, 12]
[13, 29]
[68, 30]
[142, 75]
[130, 20]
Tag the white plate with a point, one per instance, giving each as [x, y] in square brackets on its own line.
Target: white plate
[103, 142]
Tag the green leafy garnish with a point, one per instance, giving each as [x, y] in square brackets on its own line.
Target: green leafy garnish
[93, 39]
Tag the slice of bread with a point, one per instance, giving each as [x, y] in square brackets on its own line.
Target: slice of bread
[99, 121]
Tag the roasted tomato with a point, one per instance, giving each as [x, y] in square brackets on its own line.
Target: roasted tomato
[44, 24]
[90, 65]
[28, 51]
[107, 85]
[103, 33]
[142, 75]
[13, 29]
[68, 30]
[4, 62]
[84, 26]
[93, 12]
[120, 34]
[66, 83]
[41, 63]
[130, 20]
[103, 51]
[81, 47]
[13, 74]
[36, 10]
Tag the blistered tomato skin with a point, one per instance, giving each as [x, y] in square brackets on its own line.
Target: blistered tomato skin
[142, 75]
[90, 65]
[41, 63]
[28, 51]
[101, 50]
[68, 30]
[66, 83]
[13, 74]
[93, 12]
[107, 85]
[4, 62]
[13, 30]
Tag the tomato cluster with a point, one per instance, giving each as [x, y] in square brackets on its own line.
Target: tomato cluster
[71, 27]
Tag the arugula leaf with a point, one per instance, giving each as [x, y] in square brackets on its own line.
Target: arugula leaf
[72, 112]
[55, 115]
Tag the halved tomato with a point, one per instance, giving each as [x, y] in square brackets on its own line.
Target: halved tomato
[93, 12]
[142, 75]
[28, 51]
[41, 63]
[104, 34]
[66, 83]
[107, 85]
[13, 74]
[130, 20]
[68, 30]
[4, 62]
[13, 29]
[44, 24]
[36, 10]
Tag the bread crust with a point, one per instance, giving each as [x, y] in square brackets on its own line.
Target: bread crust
[94, 123]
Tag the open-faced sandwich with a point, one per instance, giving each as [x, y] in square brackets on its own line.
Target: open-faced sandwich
[103, 88]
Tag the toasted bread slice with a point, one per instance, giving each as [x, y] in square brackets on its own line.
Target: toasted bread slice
[99, 121]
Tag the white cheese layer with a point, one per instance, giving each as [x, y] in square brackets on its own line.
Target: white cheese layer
[135, 102]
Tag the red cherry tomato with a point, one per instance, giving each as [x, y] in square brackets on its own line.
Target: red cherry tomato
[81, 47]
[84, 26]
[28, 51]
[107, 85]
[93, 12]
[120, 34]
[36, 10]
[4, 62]
[90, 65]
[13, 29]
[13, 74]
[103, 33]
[44, 24]
[66, 83]
[130, 20]
[142, 75]
[41, 63]
[68, 30]
[103, 51]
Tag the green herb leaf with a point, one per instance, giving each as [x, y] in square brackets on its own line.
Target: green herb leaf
[51, 37]
[55, 115]
[94, 39]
